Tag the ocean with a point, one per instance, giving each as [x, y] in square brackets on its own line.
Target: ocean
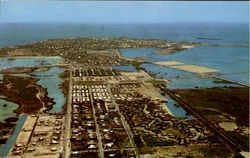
[229, 60]
[226, 33]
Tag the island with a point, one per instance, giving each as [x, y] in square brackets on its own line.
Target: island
[114, 113]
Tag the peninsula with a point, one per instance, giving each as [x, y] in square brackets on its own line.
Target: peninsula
[109, 112]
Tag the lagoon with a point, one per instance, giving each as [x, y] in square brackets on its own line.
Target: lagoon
[226, 59]
[7, 112]
[177, 111]
[6, 63]
[51, 81]
[48, 79]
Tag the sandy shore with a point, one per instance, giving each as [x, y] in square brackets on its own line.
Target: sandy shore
[168, 63]
[187, 46]
[194, 69]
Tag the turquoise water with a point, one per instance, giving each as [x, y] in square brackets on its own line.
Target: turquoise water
[48, 79]
[51, 81]
[5, 63]
[177, 111]
[138, 52]
[225, 59]
[4, 149]
[129, 68]
[182, 79]
[196, 82]
[6, 112]
[167, 73]
[237, 77]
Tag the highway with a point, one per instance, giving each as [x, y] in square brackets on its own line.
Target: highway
[66, 143]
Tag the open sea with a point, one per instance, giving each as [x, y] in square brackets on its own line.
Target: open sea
[227, 33]
[233, 62]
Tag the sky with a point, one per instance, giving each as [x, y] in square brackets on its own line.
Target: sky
[27, 11]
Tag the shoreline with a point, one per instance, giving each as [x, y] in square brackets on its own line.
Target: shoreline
[20, 57]
[148, 89]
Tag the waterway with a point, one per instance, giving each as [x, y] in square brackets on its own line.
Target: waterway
[6, 63]
[48, 79]
[177, 111]
[4, 149]
[51, 81]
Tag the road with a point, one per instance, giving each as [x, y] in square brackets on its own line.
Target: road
[66, 143]
[96, 125]
[229, 143]
[124, 122]
[235, 82]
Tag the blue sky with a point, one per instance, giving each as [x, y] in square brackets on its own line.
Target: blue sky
[122, 11]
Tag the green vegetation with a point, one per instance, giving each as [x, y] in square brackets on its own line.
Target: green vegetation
[23, 91]
[65, 74]
[231, 100]
[4, 51]
[215, 101]
[20, 84]
[204, 38]
[222, 81]
[242, 139]
[154, 142]
[138, 141]
[137, 65]
[175, 132]
[65, 85]
[218, 151]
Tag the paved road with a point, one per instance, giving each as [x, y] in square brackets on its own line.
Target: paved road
[97, 126]
[125, 124]
[66, 146]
